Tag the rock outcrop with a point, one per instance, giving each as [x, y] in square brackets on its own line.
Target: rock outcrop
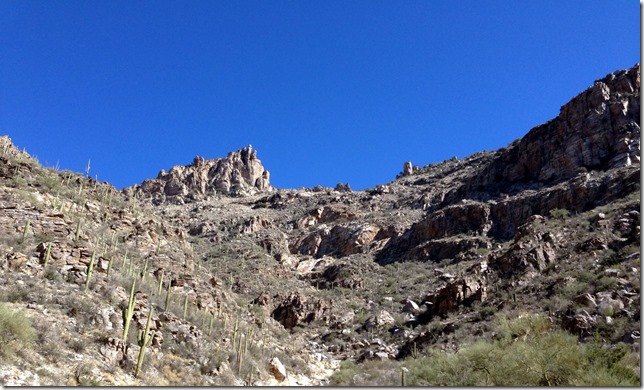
[459, 292]
[239, 173]
[296, 309]
[408, 168]
[597, 130]
[587, 156]
[277, 369]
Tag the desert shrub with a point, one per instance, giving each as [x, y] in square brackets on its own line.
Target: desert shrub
[522, 326]
[49, 340]
[84, 311]
[585, 276]
[486, 312]
[51, 273]
[528, 352]
[51, 182]
[77, 345]
[609, 366]
[15, 293]
[559, 214]
[573, 289]
[550, 359]
[15, 331]
[84, 375]
[605, 283]
[378, 373]
[343, 376]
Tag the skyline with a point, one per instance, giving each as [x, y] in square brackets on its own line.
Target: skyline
[326, 92]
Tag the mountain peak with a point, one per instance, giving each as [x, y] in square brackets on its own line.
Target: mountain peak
[239, 173]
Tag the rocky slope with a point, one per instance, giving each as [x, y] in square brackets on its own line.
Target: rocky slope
[270, 286]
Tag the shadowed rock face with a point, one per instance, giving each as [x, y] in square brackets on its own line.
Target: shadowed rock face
[587, 156]
[597, 130]
[239, 173]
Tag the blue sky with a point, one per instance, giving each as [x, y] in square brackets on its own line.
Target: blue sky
[326, 91]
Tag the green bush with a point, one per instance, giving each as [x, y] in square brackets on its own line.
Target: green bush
[528, 352]
[15, 331]
[344, 374]
[559, 214]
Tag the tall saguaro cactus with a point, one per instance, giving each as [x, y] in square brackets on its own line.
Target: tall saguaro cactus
[24, 231]
[129, 311]
[47, 253]
[144, 339]
[90, 268]
[167, 296]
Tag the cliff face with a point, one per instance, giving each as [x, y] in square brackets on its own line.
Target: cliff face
[587, 156]
[241, 172]
[597, 130]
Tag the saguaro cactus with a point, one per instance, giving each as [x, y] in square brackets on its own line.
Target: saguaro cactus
[129, 311]
[235, 329]
[78, 230]
[90, 268]
[144, 339]
[160, 285]
[167, 296]
[185, 308]
[47, 253]
[24, 231]
[124, 258]
[145, 269]
[240, 355]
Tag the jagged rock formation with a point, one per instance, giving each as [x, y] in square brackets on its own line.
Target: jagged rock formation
[580, 159]
[239, 173]
[597, 130]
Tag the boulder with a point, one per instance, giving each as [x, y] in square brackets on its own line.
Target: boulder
[384, 318]
[296, 309]
[408, 168]
[462, 291]
[411, 307]
[277, 369]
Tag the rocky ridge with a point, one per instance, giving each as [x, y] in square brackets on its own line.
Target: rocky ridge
[239, 173]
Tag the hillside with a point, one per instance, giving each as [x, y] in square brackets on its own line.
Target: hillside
[519, 266]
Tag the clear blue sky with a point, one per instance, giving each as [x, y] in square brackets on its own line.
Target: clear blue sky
[327, 91]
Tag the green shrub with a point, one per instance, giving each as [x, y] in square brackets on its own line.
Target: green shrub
[527, 353]
[15, 331]
[343, 376]
[559, 214]
[486, 312]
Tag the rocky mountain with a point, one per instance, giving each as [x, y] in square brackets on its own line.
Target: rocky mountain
[238, 173]
[527, 258]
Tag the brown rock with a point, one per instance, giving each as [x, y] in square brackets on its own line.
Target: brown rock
[462, 291]
[296, 309]
[277, 369]
[338, 241]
